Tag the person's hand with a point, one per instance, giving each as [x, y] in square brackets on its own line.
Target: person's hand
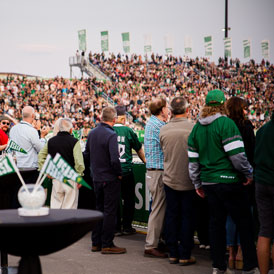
[248, 181]
[36, 124]
[44, 131]
[200, 192]
[2, 147]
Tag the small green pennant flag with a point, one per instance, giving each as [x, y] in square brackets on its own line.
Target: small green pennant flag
[6, 166]
[68, 171]
[52, 170]
[12, 146]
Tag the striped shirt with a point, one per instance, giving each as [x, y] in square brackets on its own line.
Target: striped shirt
[153, 152]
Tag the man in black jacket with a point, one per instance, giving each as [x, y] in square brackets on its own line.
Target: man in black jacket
[103, 155]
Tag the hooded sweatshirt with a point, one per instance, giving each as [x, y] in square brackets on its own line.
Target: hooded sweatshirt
[216, 152]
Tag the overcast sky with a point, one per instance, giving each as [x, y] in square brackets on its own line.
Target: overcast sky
[38, 36]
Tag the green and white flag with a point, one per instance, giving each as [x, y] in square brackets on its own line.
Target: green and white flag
[53, 171]
[12, 146]
[246, 44]
[208, 45]
[125, 39]
[227, 46]
[168, 44]
[104, 40]
[68, 171]
[265, 49]
[148, 42]
[188, 45]
[82, 40]
[6, 166]
[77, 134]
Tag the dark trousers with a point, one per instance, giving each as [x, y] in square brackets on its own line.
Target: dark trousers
[127, 205]
[107, 197]
[202, 219]
[179, 222]
[230, 199]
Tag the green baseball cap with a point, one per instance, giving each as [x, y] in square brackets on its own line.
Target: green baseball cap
[215, 98]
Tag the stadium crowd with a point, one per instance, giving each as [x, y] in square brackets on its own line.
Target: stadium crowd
[136, 80]
[193, 89]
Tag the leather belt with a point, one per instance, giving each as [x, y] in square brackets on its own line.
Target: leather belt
[153, 169]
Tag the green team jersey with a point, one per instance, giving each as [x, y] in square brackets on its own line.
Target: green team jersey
[127, 140]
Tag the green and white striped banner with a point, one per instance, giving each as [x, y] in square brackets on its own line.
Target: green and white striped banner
[208, 45]
[168, 44]
[265, 49]
[227, 46]
[82, 40]
[125, 39]
[188, 45]
[147, 47]
[246, 44]
[104, 40]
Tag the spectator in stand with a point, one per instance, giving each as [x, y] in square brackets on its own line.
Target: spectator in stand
[127, 140]
[27, 137]
[154, 176]
[107, 175]
[236, 110]
[69, 148]
[4, 127]
[179, 190]
[264, 174]
[216, 159]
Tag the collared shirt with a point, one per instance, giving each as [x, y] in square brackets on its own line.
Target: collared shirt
[153, 152]
[27, 137]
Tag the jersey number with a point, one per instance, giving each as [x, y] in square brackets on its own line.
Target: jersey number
[122, 151]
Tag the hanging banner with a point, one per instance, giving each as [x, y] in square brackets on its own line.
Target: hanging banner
[104, 40]
[227, 46]
[147, 47]
[188, 45]
[265, 49]
[82, 40]
[168, 44]
[246, 44]
[125, 39]
[208, 45]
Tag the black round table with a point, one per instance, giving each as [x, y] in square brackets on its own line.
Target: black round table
[30, 237]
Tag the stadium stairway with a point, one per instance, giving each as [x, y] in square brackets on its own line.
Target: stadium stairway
[86, 67]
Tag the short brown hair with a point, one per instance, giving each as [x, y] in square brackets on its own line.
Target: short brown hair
[157, 105]
[178, 105]
[108, 114]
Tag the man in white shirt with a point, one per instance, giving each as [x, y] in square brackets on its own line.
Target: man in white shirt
[27, 137]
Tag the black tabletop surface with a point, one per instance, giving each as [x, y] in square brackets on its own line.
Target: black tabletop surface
[34, 236]
[10, 217]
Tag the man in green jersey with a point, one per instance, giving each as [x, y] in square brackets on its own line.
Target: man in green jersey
[218, 168]
[127, 140]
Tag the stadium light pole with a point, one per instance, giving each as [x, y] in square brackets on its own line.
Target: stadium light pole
[226, 22]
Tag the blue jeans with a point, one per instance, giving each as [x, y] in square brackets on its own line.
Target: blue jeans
[230, 199]
[179, 222]
[232, 235]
